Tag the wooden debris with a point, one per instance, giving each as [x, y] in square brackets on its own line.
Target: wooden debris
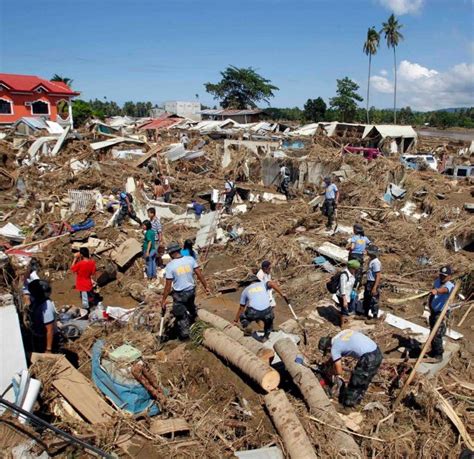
[169, 426]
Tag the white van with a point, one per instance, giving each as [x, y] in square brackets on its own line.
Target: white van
[414, 161]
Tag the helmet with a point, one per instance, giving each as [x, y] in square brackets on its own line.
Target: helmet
[358, 228]
[373, 250]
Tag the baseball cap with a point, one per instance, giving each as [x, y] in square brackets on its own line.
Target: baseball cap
[324, 344]
[354, 264]
[446, 271]
[265, 263]
[327, 179]
[173, 247]
[358, 228]
[373, 249]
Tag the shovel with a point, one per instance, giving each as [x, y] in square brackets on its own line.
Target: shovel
[305, 337]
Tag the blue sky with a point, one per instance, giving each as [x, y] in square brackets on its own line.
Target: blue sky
[157, 51]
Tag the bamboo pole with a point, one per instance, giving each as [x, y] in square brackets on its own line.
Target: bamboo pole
[426, 346]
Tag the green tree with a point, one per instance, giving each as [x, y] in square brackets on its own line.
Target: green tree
[315, 109]
[81, 112]
[61, 79]
[345, 101]
[391, 30]
[370, 48]
[241, 88]
[129, 108]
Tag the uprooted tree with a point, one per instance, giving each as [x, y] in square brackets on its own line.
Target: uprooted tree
[241, 88]
[346, 100]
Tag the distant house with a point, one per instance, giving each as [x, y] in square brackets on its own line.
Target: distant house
[239, 116]
[31, 96]
[185, 109]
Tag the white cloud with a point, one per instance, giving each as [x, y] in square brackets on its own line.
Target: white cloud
[427, 89]
[403, 6]
[383, 72]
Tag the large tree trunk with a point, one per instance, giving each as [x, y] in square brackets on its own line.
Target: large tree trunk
[241, 358]
[395, 87]
[315, 397]
[368, 88]
[289, 427]
[236, 333]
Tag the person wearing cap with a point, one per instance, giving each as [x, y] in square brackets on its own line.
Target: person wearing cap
[255, 306]
[374, 276]
[351, 343]
[331, 199]
[264, 275]
[357, 249]
[346, 285]
[180, 283]
[442, 288]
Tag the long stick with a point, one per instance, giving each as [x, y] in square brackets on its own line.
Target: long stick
[410, 298]
[426, 346]
[465, 315]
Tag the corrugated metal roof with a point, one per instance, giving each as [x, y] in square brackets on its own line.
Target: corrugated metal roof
[391, 130]
[230, 112]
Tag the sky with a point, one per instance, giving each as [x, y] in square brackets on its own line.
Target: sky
[158, 50]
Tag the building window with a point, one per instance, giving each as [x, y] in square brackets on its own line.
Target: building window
[6, 107]
[39, 108]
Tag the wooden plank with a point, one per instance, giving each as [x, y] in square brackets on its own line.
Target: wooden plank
[167, 426]
[77, 390]
[156, 149]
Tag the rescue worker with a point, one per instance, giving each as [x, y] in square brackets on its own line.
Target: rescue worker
[442, 288]
[346, 285]
[264, 275]
[357, 249]
[180, 283]
[331, 199]
[255, 306]
[374, 276]
[284, 186]
[126, 207]
[351, 343]
[230, 190]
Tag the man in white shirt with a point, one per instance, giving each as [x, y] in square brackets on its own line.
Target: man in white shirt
[371, 291]
[331, 199]
[346, 285]
[264, 275]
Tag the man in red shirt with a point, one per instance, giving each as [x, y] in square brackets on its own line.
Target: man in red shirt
[85, 268]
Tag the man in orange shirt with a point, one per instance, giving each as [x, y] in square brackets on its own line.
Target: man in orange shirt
[85, 269]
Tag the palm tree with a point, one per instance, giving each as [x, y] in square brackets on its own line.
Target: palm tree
[61, 79]
[370, 48]
[391, 29]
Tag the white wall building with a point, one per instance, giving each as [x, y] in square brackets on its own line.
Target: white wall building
[185, 109]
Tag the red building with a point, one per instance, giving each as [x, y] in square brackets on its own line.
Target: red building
[31, 96]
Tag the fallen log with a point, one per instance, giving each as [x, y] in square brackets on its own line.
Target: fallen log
[289, 427]
[315, 397]
[241, 358]
[237, 334]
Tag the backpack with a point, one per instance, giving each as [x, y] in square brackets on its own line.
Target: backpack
[333, 284]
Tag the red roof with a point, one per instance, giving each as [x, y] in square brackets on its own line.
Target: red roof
[164, 121]
[28, 83]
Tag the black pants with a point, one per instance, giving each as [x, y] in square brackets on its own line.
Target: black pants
[252, 315]
[328, 209]
[361, 377]
[437, 347]
[358, 274]
[124, 213]
[371, 302]
[184, 311]
[285, 188]
[229, 199]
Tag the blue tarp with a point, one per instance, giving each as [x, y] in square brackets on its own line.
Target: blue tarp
[127, 394]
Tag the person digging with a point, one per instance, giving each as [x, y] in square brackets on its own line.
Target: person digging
[350, 343]
[179, 274]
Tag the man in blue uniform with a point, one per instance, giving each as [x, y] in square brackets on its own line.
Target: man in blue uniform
[442, 288]
[180, 283]
[350, 343]
[331, 199]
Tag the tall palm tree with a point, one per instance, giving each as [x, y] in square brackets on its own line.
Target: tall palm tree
[391, 30]
[61, 79]
[370, 48]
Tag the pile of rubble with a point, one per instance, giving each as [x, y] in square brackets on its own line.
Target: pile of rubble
[119, 389]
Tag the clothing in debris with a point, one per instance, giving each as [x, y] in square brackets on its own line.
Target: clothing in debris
[350, 343]
[265, 278]
[181, 272]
